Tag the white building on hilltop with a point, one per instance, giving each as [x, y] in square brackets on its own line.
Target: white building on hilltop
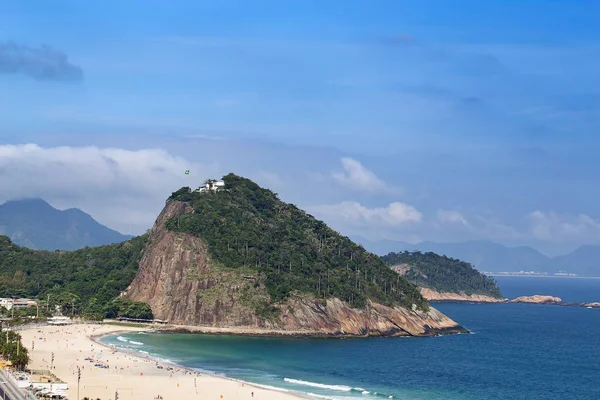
[211, 185]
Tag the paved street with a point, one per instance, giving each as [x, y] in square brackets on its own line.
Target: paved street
[8, 390]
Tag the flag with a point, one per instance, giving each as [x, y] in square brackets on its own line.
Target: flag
[187, 171]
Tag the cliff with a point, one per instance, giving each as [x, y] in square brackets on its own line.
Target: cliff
[184, 285]
[433, 295]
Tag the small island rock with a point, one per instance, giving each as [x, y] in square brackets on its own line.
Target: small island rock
[537, 299]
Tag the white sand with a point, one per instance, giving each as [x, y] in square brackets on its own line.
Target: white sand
[131, 376]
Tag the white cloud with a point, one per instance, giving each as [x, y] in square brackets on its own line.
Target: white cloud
[357, 177]
[554, 227]
[354, 213]
[451, 217]
[124, 189]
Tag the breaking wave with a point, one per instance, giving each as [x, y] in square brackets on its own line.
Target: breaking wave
[270, 387]
[340, 388]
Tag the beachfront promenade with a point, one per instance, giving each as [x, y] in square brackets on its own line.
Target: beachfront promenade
[8, 390]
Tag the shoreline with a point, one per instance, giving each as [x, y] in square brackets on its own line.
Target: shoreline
[506, 301]
[433, 295]
[269, 333]
[129, 373]
[160, 361]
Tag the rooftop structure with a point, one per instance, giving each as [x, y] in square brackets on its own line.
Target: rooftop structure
[211, 185]
[9, 303]
[59, 320]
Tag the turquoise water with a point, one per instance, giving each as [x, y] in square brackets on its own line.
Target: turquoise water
[516, 351]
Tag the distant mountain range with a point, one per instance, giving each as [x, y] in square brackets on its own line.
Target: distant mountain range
[36, 224]
[494, 257]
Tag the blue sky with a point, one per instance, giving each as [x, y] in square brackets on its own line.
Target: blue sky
[404, 120]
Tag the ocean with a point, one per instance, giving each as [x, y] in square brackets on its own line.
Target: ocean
[515, 351]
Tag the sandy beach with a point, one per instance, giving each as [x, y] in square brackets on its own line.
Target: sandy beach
[133, 377]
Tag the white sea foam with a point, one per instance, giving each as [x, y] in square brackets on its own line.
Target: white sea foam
[340, 388]
[122, 339]
[320, 396]
[136, 343]
[270, 387]
[365, 392]
[144, 352]
[164, 360]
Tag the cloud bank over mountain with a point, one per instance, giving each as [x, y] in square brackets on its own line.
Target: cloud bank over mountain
[124, 188]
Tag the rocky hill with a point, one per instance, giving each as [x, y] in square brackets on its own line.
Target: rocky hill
[495, 257]
[446, 278]
[240, 257]
[36, 224]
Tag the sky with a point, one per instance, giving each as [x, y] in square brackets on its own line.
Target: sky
[400, 120]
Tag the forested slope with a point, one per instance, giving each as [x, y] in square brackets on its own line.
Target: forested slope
[246, 226]
[442, 273]
[90, 277]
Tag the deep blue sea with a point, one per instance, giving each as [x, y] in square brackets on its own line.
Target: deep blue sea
[516, 351]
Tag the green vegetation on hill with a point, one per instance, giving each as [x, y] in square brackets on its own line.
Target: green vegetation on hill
[12, 348]
[121, 307]
[83, 281]
[443, 274]
[246, 226]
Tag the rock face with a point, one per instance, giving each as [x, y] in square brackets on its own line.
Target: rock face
[177, 278]
[434, 295]
[537, 299]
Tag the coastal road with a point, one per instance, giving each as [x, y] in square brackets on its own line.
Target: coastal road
[8, 389]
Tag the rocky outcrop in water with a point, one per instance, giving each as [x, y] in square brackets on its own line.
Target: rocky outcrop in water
[177, 278]
[433, 295]
[537, 299]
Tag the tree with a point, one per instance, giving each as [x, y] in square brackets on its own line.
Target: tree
[71, 278]
[12, 348]
[248, 227]
[94, 310]
[126, 308]
[444, 274]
